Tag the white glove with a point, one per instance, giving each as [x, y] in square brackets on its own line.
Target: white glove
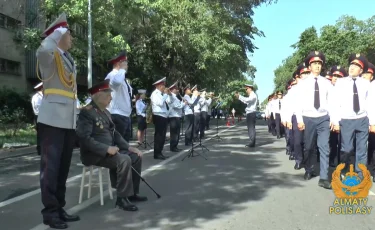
[57, 36]
[62, 30]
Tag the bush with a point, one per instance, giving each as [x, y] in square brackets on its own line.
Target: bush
[15, 110]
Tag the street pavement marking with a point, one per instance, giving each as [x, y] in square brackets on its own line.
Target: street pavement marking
[96, 198]
[74, 178]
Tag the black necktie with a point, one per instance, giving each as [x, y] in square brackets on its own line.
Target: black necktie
[167, 105]
[130, 95]
[316, 95]
[355, 97]
[279, 104]
[67, 57]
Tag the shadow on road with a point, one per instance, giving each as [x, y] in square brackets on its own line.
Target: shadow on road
[196, 190]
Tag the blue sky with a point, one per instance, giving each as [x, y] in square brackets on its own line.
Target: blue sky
[282, 24]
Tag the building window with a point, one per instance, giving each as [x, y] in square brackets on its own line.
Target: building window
[11, 67]
[8, 22]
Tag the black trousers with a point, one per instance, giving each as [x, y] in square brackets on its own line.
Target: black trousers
[174, 127]
[371, 153]
[189, 128]
[298, 141]
[273, 124]
[250, 121]
[56, 155]
[202, 123]
[120, 172]
[123, 125]
[278, 126]
[208, 118]
[37, 135]
[160, 132]
[335, 146]
[197, 117]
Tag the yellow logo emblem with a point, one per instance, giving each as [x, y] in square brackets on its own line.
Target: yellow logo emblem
[351, 192]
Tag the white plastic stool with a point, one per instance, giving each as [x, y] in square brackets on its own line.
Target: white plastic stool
[100, 169]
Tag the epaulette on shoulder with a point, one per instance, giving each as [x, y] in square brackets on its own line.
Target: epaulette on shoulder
[87, 107]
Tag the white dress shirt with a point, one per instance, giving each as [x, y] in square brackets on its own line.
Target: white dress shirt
[158, 102]
[250, 101]
[120, 103]
[140, 108]
[206, 105]
[284, 113]
[305, 99]
[198, 106]
[36, 101]
[175, 106]
[187, 109]
[341, 99]
[370, 103]
[276, 105]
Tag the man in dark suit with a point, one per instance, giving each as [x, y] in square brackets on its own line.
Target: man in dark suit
[102, 145]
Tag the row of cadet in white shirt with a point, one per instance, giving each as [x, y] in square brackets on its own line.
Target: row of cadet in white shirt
[177, 108]
[335, 100]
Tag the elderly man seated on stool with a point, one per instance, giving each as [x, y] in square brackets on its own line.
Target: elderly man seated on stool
[103, 146]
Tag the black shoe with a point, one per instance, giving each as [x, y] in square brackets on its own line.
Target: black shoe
[250, 146]
[160, 157]
[136, 198]
[68, 218]
[291, 157]
[125, 204]
[325, 184]
[56, 223]
[175, 150]
[297, 166]
[308, 175]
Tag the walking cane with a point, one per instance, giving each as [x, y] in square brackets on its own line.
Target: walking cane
[157, 194]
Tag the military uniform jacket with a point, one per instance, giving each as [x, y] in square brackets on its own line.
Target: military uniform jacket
[56, 110]
[96, 132]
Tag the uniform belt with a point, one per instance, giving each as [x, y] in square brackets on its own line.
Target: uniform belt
[60, 92]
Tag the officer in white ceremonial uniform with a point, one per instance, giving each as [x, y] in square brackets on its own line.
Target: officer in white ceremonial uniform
[277, 105]
[371, 116]
[189, 116]
[121, 104]
[160, 116]
[349, 114]
[298, 135]
[312, 114]
[369, 75]
[286, 119]
[36, 101]
[209, 111]
[174, 116]
[336, 72]
[204, 112]
[251, 108]
[198, 102]
[56, 120]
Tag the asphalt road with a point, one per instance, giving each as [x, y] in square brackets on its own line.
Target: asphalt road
[235, 188]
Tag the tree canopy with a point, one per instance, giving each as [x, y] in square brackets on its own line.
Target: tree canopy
[337, 42]
[198, 42]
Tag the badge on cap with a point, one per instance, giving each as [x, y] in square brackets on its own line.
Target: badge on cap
[338, 67]
[316, 52]
[358, 55]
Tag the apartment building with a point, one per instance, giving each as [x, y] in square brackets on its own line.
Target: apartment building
[18, 65]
